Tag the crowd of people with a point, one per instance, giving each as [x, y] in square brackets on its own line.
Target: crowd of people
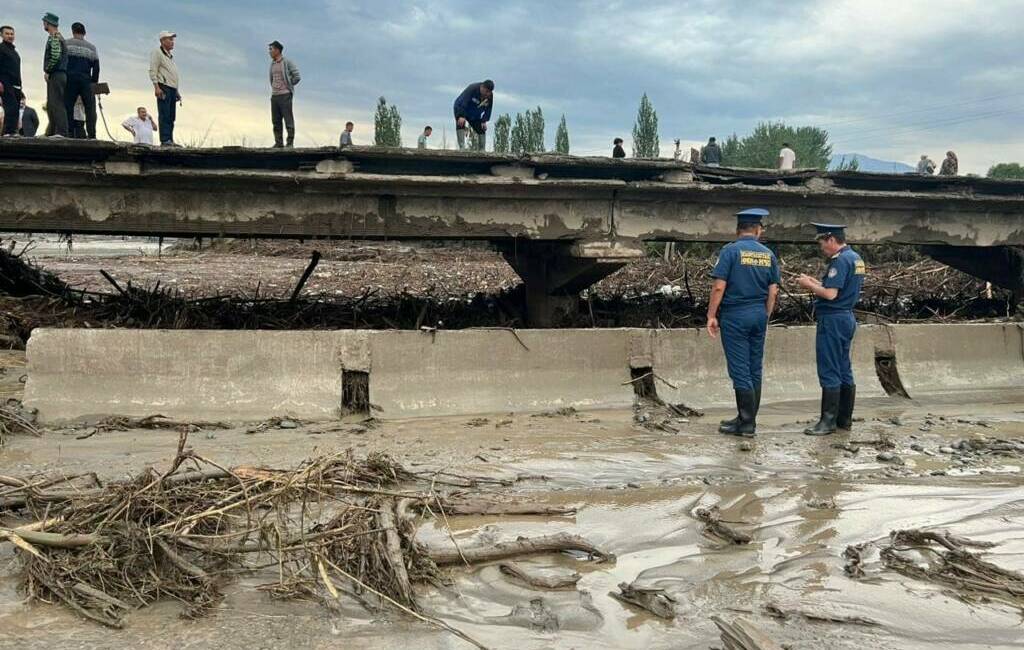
[71, 69]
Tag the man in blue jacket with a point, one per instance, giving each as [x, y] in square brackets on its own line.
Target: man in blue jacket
[745, 285]
[473, 111]
[836, 294]
[83, 72]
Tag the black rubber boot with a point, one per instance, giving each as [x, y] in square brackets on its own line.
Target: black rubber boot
[829, 410]
[757, 407]
[844, 417]
[745, 421]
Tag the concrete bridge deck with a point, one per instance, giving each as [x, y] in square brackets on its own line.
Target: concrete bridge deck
[371, 192]
[562, 222]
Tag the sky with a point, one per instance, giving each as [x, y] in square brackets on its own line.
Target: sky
[891, 79]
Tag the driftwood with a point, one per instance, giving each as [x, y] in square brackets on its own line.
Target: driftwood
[465, 506]
[742, 635]
[395, 556]
[713, 525]
[777, 611]
[522, 546]
[540, 580]
[656, 601]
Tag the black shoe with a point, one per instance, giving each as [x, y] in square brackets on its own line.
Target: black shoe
[278, 145]
[844, 416]
[829, 410]
[745, 421]
[757, 407]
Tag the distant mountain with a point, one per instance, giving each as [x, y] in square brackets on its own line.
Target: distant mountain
[868, 164]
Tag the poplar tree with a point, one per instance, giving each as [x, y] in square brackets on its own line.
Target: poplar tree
[503, 134]
[536, 121]
[645, 131]
[387, 125]
[562, 137]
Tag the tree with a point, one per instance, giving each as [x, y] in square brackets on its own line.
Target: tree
[536, 122]
[851, 166]
[503, 133]
[645, 131]
[1007, 171]
[730, 151]
[387, 125]
[761, 148]
[562, 137]
[527, 135]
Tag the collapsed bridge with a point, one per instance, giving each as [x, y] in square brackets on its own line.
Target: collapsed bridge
[562, 222]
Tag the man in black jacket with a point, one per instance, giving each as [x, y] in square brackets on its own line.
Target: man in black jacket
[83, 72]
[29, 120]
[10, 80]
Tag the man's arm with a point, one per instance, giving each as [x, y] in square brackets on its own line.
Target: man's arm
[154, 72]
[96, 69]
[815, 287]
[53, 54]
[714, 302]
[127, 124]
[293, 71]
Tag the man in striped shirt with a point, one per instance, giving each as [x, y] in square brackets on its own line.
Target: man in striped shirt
[55, 71]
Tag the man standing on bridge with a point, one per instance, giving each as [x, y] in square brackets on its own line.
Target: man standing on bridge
[163, 72]
[10, 81]
[83, 72]
[836, 294]
[284, 76]
[745, 285]
[55, 72]
[473, 111]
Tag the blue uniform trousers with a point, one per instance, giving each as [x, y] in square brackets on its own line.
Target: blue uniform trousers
[832, 349]
[743, 332]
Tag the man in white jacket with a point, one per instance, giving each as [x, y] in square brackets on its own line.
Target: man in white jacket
[163, 72]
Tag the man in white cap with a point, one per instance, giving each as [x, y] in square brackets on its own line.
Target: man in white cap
[163, 72]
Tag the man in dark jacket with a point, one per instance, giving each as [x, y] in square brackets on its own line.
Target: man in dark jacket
[473, 111]
[10, 80]
[711, 154]
[617, 150]
[29, 120]
[55, 71]
[83, 72]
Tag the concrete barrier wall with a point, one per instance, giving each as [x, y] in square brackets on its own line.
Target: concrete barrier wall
[199, 375]
[490, 371]
[254, 375]
[943, 358]
[695, 365]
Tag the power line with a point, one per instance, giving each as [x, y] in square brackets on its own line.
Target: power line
[933, 107]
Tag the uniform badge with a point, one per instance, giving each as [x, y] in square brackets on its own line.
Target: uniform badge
[833, 272]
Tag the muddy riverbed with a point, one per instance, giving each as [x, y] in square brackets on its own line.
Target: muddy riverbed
[802, 500]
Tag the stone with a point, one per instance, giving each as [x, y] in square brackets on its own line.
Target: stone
[287, 424]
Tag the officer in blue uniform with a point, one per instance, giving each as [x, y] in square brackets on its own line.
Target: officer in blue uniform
[745, 286]
[836, 294]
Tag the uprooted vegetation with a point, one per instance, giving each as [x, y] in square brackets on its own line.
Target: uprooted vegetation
[452, 290]
[337, 526]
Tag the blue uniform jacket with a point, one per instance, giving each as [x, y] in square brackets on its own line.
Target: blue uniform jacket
[845, 272]
[472, 106]
[748, 268]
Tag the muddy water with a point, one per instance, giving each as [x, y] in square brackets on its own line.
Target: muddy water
[635, 490]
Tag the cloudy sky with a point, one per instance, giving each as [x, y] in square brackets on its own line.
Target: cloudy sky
[888, 78]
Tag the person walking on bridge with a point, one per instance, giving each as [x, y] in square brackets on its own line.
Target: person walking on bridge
[835, 296]
[473, 111]
[950, 166]
[55, 72]
[745, 286]
[711, 154]
[284, 76]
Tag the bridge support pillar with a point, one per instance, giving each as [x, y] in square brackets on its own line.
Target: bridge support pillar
[554, 273]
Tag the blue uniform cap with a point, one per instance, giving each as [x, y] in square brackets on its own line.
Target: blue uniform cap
[751, 215]
[826, 229]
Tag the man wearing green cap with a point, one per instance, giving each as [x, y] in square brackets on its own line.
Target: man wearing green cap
[55, 71]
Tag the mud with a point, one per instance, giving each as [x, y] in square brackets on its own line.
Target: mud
[636, 493]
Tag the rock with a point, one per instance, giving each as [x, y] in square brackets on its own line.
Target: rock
[287, 424]
[945, 450]
[917, 447]
[886, 456]
[746, 445]
[635, 486]
[896, 421]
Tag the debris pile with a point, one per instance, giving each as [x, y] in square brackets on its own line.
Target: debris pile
[336, 526]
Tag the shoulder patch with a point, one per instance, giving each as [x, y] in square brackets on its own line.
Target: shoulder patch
[859, 268]
[833, 272]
